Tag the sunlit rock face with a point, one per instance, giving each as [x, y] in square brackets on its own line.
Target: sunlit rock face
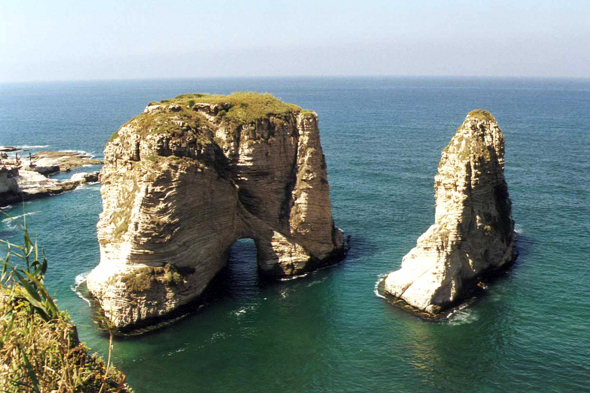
[187, 178]
[473, 232]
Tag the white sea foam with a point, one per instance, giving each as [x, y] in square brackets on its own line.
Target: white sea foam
[29, 147]
[518, 229]
[88, 186]
[79, 280]
[463, 315]
[83, 153]
[13, 222]
[380, 278]
[181, 349]
[284, 293]
[243, 310]
[294, 277]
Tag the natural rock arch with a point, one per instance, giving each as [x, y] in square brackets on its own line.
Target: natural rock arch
[187, 178]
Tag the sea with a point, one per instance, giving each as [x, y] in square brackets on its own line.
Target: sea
[331, 331]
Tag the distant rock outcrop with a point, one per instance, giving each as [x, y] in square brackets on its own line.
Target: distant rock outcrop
[187, 178]
[47, 162]
[473, 232]
[27, 178]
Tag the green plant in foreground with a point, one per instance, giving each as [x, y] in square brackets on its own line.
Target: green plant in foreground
[39, 346]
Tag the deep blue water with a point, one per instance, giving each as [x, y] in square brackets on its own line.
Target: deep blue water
[382, 139]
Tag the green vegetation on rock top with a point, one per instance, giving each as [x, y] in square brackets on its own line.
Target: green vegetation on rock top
[181, 114]
[481, 114]
[243, 107]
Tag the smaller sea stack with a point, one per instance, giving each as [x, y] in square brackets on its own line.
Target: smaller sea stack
[473, 233]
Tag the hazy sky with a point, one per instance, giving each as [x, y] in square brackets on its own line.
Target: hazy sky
[104, 39]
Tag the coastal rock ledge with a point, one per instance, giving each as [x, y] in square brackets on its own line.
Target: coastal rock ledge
[187, 178]
[473, 233]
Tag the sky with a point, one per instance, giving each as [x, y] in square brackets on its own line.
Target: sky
[137, 39]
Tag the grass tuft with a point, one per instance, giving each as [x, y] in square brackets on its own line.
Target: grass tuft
[142, 279]
[243, 107]
[481, 114]
[39, 346]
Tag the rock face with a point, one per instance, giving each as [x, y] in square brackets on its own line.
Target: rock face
[23, 180]
[8, 184]
[187, 178]
[473, 232]
[18, 184]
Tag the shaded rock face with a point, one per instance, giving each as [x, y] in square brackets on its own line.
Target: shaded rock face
[473, 232]
[183, 181]
[8, 184]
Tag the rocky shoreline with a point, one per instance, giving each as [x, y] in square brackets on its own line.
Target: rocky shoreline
[24, 179]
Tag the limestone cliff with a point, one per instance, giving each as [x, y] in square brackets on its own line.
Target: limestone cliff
[473, 232]
[187, 178]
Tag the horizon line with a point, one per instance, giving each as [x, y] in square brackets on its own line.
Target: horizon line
[343, 76]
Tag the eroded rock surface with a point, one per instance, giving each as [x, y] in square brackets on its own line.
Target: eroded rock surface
[473, 232]
[48, 162]
[18, 184]
[187, 178]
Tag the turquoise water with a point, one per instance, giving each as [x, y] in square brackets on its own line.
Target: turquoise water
[329, 331]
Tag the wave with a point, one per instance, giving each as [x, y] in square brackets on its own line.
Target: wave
[518, 229]
[295, 277]
[181, 349]
[316, 282]
[83, 153]
[380, 279]
[78, 281]
[30, 147]
[12, 222]
[87, 186]
[243, 310]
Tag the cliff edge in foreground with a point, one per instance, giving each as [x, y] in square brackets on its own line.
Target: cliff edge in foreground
[187, 178]
[473, 232]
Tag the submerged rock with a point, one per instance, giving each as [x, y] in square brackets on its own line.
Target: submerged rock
[187, 178]
[473, 232]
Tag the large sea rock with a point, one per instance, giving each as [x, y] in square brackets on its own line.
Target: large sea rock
[187, 178]
[473, 233]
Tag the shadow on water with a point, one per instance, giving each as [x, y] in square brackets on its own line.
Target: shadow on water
[239, 281]
[361, 247]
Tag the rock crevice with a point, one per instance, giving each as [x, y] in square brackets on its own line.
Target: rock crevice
[473, 232]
